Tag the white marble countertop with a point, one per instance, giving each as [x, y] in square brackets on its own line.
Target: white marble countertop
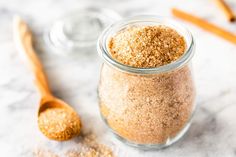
[213, 131]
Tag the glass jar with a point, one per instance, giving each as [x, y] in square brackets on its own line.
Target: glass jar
[146, 107]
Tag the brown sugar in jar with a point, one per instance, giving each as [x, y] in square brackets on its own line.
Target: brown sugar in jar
[146, 89]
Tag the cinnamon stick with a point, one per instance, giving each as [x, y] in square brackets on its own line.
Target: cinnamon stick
[226, 10]
[205, 25]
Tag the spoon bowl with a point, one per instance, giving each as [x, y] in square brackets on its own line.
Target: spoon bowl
[57, 120]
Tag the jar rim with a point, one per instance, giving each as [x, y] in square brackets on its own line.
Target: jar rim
[160, 20]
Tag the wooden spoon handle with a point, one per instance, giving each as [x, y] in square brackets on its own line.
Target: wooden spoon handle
[24, 41]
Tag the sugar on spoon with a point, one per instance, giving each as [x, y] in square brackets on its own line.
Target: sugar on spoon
[56, 119]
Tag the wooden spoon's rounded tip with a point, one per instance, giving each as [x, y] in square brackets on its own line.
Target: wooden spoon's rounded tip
[59, 123]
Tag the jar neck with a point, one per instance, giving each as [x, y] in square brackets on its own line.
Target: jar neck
[102, 45]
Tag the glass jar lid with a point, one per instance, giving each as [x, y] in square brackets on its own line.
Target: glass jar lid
[79, 30]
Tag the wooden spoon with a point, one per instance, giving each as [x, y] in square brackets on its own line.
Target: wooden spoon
[56, 119]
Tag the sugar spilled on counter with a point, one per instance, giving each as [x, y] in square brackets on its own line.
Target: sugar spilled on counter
[88, 146]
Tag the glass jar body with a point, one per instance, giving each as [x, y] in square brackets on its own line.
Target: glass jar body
[147, 110]
[147, 107]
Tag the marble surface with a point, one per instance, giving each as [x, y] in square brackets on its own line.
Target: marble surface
[213, 131]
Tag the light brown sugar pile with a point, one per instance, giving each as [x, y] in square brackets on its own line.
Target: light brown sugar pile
[147, 109]
[88, 146]
[59, 124]
[44, 153]
[147, 46]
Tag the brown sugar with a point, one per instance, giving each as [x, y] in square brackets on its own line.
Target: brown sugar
[44, 153]
[150, 108]
[147, 46]
[146, 109]
[58, 123]
[88, 146]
